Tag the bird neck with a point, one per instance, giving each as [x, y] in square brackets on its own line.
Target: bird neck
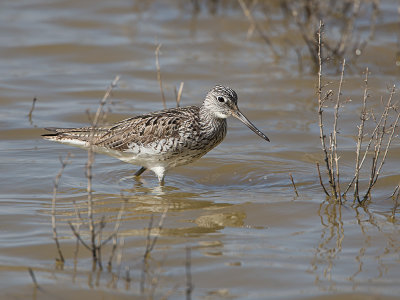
[209, 121]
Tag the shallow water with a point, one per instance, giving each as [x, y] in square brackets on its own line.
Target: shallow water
[250, 236]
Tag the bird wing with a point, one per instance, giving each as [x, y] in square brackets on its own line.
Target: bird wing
[147, 129]
[81, 134]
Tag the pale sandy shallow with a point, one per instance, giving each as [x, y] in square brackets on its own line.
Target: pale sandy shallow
[251, 238]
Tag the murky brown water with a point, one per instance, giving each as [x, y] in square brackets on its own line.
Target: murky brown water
[251, 238]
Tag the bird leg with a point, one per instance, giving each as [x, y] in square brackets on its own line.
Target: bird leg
[140, 171]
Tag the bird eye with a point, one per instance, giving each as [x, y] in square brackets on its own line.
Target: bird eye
[221, 99]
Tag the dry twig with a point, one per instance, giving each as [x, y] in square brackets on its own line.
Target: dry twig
[31, 111]
[335, 156]
[361, 135]
[320, 180]
[375, 169]
[178, 94]
[294, 186]
[395, 202]
[376, 137]
[35, 284]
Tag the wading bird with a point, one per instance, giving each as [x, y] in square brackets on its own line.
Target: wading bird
[162, 140]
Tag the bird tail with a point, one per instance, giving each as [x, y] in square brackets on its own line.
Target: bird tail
[72, 136]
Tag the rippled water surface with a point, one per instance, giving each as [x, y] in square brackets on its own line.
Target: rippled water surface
[249, 235]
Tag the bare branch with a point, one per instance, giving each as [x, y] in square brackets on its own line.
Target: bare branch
[31, 111]
[375, 171]
[78, 236]
[320, 181]
[367, 148]
[335, 131]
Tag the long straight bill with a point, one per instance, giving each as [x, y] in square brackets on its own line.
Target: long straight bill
[237, 114]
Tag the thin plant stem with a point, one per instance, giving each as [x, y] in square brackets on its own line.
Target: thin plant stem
[335, 131]
[320, 181]
[32, 274]
[395, 202]
[360, 137]
[31, 110]
[178, 94]
[294, 185]
[321, 101]
[78, 236]
[366, 151]
[376, 170]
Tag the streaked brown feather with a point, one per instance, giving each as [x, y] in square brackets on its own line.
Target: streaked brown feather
[147, 129]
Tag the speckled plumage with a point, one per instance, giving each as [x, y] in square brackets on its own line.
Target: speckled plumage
[165, 139]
